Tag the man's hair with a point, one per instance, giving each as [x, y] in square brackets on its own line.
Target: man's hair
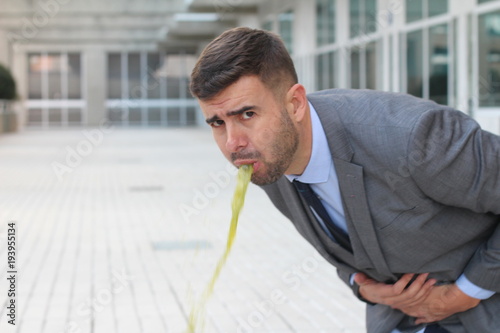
[243, 52]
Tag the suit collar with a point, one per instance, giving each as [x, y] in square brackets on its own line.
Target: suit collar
[319, 165]
[337, 137]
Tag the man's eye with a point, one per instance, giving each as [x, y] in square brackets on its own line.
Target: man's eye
[217, 123]
[248, 114]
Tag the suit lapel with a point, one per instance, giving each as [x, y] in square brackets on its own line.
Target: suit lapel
[367, 250]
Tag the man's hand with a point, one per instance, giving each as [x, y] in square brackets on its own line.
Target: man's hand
[399, 295]
[442, 302]
[420, 299]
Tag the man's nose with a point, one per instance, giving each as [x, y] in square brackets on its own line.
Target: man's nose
[236, 139]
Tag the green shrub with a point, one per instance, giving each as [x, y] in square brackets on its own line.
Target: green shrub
[7, 84]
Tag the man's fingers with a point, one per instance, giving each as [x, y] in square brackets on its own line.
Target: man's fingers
[424, 291]
[401, 284]
[361, 279]
[420, 286]
[408, 291]
[416, 292]
[417, 284]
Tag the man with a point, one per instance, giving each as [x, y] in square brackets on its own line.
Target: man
[409, 190]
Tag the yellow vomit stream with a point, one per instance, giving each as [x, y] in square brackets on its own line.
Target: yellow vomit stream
[196, 317]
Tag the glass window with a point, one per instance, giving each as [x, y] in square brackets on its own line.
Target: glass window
[114, 75]
[433, 83]
[414, 61]
[148, 75]
[371, 65]
[35, 116]
[54, 76]
[325, 22]
[438, 64]
[134, 76]
[154, 76]
[177, 70]
[74, 76]
[191, 116]
[174, 116]
[286, 29]
[55, 116]
[155, 116]
[173, 87]
[355, 68]
[437, 7]
[74, 116]
[414, 10]
[421, 9]
[167, 76]
[35, 68]
[364, 66]
[174, 71]
[54, 72]
[135, 116]
[362, 17]
[370, 16]
[489, 53]
[354, 13]
[320, 70]
[116, 115]
[325, 69]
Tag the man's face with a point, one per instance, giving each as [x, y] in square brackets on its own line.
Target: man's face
[251, 127]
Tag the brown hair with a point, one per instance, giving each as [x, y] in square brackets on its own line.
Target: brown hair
[239, 52]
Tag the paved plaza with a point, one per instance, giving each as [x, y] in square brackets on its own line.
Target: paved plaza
[119, 230]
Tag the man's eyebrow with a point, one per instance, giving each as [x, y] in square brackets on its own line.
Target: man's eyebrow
[212, 119]
[240, 111]
[231, 113]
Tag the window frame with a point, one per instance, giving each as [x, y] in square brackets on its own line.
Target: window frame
[67, 106]
[425, 25]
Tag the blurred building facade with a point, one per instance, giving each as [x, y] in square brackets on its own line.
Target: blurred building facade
[82, 62]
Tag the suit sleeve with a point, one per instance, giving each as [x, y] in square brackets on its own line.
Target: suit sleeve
[456, 163]
[346, 278]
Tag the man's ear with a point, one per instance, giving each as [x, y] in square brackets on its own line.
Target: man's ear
[296, 101]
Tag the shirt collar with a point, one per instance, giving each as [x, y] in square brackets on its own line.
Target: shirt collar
[318, 167]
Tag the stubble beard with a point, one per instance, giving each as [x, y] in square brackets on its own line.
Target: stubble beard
[283, 148]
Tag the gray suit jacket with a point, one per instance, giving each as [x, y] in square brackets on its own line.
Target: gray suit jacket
[420, 184]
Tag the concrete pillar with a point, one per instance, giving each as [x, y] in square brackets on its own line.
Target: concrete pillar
[462, 53]
[304, 40]
[4, 49]
[398, 12]
[95, 88]
[304, 28]
[390, 18]
[342, 28]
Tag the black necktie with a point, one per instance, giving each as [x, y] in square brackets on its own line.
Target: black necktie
[315, 203]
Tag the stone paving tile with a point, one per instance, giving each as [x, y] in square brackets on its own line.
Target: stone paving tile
[119, 231]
